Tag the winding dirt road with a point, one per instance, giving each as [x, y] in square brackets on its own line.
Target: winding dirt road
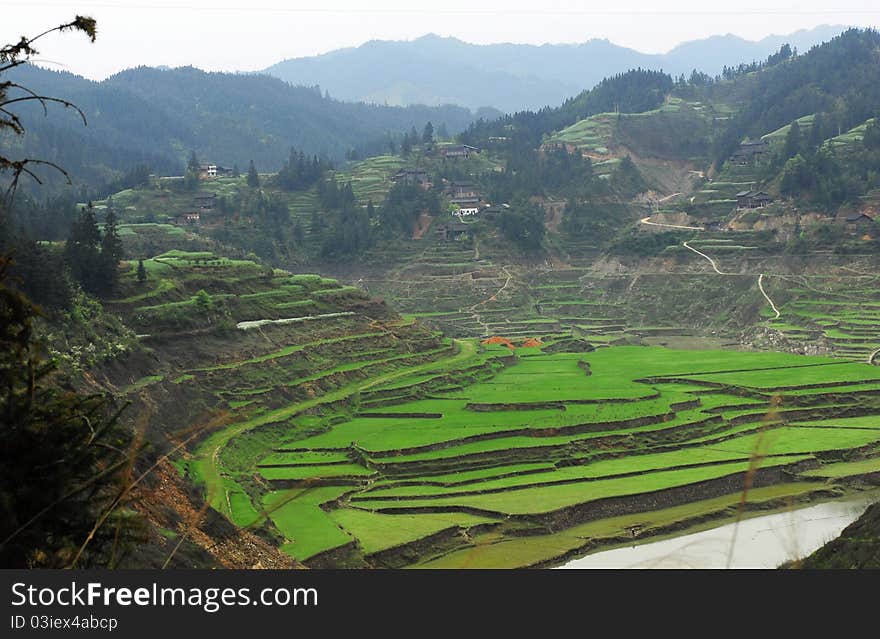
[711, 261]
[647, 220]
[491, 298]
[767, 297]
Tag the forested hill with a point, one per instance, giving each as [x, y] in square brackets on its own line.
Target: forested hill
[156, 117]
[839, 79]
[510, 77]
[635, 91]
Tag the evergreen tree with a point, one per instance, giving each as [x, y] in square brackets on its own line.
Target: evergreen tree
[253, 180]
[298, 232]
[428, 134]
[111, 254]
[193, 164]
[235, 171]
[406, 145]
[141, 272]
[817, 130]
[871, 138]
[81, 252]
[442, 131]
[793, 141]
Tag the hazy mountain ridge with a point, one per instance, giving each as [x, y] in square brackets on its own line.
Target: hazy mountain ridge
[511, 77]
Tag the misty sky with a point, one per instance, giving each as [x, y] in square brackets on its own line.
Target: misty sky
[248, 35]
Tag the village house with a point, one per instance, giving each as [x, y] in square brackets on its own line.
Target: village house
[459, 151]
[207, 171]
[190, 217]
[469, 203]
[411, 176]
[464, 190]
[452, 231]
[494, 211]
[861, 224]
[748, 151]
[467, 210]
[205, 201]
[752, 200]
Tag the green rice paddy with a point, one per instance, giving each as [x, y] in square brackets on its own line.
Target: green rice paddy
[540, 438]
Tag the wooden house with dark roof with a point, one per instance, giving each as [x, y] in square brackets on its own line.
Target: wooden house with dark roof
[861, 224]
[752, 200]
[464, 189]
[465, 201]
[459, 151]
[494, 211]
[452, 231]
[748, 152]
[205, 201]
[411, 176]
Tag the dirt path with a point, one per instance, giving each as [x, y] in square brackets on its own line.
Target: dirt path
[423, 223]
[495, 295]
[711, 261]
[767, 297]
[873, 355]
[714, 264]
[473, 309]
[245, 326]
[647, 221]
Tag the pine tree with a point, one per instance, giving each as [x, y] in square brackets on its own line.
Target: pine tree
[235, 171]
[193, 164]
[81, 250]
[428, 134]
[111, 254]
[793, 141]
[817, 130]
[253, 180]
[141, 272]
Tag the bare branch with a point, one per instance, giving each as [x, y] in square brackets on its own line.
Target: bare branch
[43, 99]
[16, 85]
[14, 122]
[20, 166]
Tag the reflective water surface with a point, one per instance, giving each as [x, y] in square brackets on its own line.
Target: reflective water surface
[759, 542]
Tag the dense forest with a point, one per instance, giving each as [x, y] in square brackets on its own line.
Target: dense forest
[154, 117]
[839, 79]
[631, 92]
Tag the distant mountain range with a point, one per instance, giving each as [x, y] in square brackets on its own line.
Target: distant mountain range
[434, 70]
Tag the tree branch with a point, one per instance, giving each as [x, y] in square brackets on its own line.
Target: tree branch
[43, 100]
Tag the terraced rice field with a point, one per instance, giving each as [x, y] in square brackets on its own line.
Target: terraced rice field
[489, 457]
[843, 314]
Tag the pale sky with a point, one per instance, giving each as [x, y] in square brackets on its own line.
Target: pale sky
[247, 35]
